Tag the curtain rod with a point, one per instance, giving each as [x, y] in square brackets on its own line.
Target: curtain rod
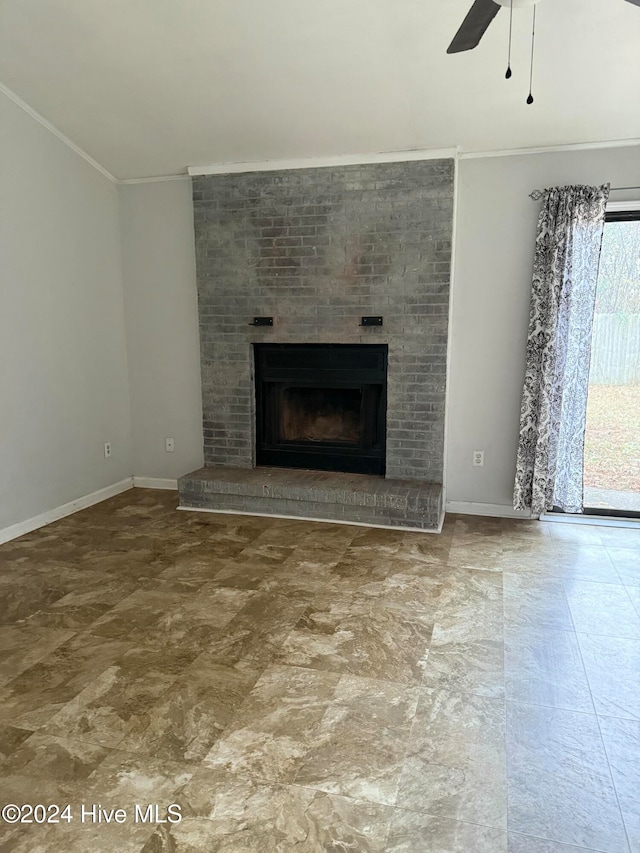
[536, 195]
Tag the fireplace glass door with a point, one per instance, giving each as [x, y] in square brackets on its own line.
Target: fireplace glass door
[321, 415]
[321, 406]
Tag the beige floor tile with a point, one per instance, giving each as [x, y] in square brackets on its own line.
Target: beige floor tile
[21, 646]
[358, 748]
[137, 614]
[470, 610]
[634, 594]
[484, 553]
[309, 573]
[465, 524]
[82, 607]
[620, 537]
[120, 781]
[528, 554]
[419, 550]
[455, 762]
[227, 812]
[277, 724]
[602, 608]
[535, 602]
[256, 633]
[210, 608]
[76, 838]
[57, 759]
[545, 668]
[38, 693]
[121, 698]
[584, 562]
[466, 667]
[357, 636]
[11, 737]
[560, 785]
[582, 534]
[622, 744]
[527, 844]
[192, 713]
[402, 591]
[360, 566]
[565, 560]
[520, 528]
[23, 594]
[612, 667]
[627, 563]
[413, 832]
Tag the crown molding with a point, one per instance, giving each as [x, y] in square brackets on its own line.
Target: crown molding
[57, 133]
[549, 149]
[156, 180]
[323, 162]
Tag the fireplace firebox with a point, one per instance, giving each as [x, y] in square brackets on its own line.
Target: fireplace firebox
[321, 406]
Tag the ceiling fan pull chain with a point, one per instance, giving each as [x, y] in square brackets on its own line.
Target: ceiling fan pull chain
[533, 43]
[508, 74]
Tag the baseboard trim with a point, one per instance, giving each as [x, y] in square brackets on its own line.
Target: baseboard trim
[495, 510]
[22, 527]
[154, 483]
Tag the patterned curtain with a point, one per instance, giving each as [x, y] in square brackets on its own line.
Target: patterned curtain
[554, 401]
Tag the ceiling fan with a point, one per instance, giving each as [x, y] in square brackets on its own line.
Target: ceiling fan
[480, 16]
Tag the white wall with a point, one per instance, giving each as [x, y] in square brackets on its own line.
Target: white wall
[63, 371]
[496, 226]
[162, 327]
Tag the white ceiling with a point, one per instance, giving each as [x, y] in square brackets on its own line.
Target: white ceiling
[149, 87]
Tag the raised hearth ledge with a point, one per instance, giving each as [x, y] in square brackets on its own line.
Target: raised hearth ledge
[362, 499]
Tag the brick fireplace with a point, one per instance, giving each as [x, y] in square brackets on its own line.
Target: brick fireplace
[317, 250]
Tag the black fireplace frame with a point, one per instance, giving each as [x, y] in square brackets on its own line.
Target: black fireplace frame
[362, 367]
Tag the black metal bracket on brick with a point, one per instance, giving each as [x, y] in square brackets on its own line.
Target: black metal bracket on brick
[371, 321]
[262, 321]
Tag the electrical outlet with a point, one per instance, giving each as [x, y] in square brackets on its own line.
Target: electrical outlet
[107, 449]
[169, 445]
[478, 458]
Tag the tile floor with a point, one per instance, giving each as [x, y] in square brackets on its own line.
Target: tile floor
[314, 687]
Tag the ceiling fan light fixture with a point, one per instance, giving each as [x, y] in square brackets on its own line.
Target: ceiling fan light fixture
[533, 45]
[508, 74]
[478, 19]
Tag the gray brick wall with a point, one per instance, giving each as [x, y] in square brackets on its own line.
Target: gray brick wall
[317, 249]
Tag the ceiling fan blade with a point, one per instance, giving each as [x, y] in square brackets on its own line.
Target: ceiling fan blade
[475, 25]
[635, 2]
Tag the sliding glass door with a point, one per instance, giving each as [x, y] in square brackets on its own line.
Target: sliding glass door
[612, 441]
